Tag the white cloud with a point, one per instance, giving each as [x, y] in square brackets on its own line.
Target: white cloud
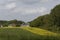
[11, 5]
[26, 7]
[35, 10]
[44, 1]
[30, 10]
[42, 9]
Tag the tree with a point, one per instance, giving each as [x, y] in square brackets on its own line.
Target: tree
[55, 12]
[37, 22]
[16, 22]
[49, 21]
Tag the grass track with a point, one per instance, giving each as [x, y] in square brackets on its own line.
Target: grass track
[40, 31]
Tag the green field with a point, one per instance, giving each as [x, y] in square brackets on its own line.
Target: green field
[27, 33]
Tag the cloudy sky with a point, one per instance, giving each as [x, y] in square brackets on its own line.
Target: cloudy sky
[25, 10]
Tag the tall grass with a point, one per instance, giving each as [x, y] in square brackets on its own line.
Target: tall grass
[21, 34]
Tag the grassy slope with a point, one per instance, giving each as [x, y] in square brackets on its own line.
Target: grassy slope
[26, 33]
[40, 31]
[17, 34]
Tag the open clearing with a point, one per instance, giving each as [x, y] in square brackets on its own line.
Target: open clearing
[27, 33]
[40, 31]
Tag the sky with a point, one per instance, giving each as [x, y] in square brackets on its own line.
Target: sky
[25, 10]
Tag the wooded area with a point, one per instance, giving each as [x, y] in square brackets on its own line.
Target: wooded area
[13, 23]
[49, 21]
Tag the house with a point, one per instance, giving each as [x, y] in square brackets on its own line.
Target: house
[1, 25]
[25, 25]
[12, 25]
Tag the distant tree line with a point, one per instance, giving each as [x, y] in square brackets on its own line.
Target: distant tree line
[49, 21]
[14, 22]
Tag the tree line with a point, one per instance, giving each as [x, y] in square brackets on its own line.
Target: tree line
[14, 22]
[49, 21]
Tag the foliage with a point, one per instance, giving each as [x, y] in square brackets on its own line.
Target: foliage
[55, 12]
[49, 21]
[37, 22]
[7, 23]
[21, 34]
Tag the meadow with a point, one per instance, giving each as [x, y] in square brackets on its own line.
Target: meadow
[27, 33]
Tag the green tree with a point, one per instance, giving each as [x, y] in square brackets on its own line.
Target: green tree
[16, 22]
[55, 12]
[37, 22]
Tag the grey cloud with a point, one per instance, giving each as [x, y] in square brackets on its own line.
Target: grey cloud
[22, 5]
[31, 2]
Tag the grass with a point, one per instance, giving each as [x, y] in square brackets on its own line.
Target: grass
[40, 31]
[16, 34]
[25, 33]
